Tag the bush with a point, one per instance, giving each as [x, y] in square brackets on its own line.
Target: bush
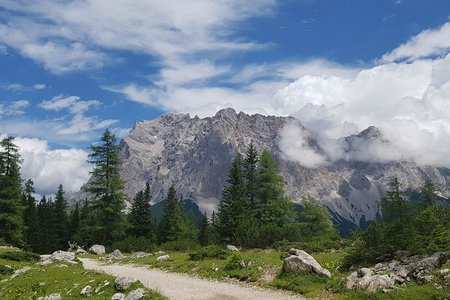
[132, 244]
[20, 256]
[4, 270]
[212, 251]
[180, 245]
[233, 262]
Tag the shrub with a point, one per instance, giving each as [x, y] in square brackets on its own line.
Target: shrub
[4, 270]
[132, 244]
[20, 256]
[212, 251]
[233, 262]
[180, 245]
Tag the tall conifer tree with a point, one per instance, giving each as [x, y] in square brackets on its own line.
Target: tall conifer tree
[140, 218]
[60, 220]
[172, 222]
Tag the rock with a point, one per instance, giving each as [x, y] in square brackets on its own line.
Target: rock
[447, 280]
[97, 249]
[80, 251]
[101, 285]
[116, 254]
[300, 261]
[136, 294]
[20, 271]
[51, 297]
[422, 279]
[57, 256]
[232, 248]
[242, 264]
[363, 279]
[140, 254]
[86, 291]
[201, 149]
[123, 283]
[444, 271]
[118, 296]
[163, 258]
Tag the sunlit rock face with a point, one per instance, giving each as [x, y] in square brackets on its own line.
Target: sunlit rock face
[194, 155]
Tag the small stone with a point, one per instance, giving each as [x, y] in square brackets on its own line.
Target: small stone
[163, 258]
[136, 294]
[232, 248]
[123, 283]
[54, 296]
[97, 249]
[86, 291]
[118, 296]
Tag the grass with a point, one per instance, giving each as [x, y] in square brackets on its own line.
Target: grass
[309, 285]
[68, 281]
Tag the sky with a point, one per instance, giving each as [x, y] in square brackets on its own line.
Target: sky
[71, 69]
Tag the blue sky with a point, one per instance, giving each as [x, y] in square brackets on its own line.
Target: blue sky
[70, 69]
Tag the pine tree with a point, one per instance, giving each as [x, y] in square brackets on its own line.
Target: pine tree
[74, 221]
[30, 218]
[234, 204]
[394, 207]
[214, 229]
[204, 231]
[11, 210]
[250, 165]
[315, 221]
[273, 205]
[106, 187]
[60, 220]
[172, 221]
[45, 215]
[428, 194]
[140, 218]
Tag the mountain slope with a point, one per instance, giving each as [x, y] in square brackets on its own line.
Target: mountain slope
[194, 154]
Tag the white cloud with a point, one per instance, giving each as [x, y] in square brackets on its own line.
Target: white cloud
[79, 123]
[14, 108]
[431, 42]
[48, 168]
[39, 86]
[66, 36]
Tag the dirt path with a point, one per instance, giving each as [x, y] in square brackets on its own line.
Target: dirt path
[183, 287]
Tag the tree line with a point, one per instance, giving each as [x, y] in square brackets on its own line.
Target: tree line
[253, 211]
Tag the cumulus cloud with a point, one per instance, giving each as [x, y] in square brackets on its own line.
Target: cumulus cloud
[14, 108]
[48, 168]
[39, 86]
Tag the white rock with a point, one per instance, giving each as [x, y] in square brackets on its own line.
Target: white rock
[123, 283]
[57, 256]
[86, 291]
[140, 254]
[51, 297]
[20, 271]
[136, 294]
[116, 254]
[232, 248]
[97, 249]
[300, 261]
[163, 258]
[118, 296]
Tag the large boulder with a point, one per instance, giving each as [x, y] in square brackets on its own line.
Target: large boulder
[116, 254]
[136, 294]
[365, 280]
[58, 256]
[97, 249]
[300, 261]
[123, 283]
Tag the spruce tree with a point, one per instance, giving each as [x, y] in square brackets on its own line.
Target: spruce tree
[204, 231]
[395, 206]
[60, 220]
[45, 234]
[250, 165]
[106, 187]
[273, 205]
[30, 218]
[234, 204]
[74, 221]
[428, 195]
[140, 218]
[11, 210]
[172, 221]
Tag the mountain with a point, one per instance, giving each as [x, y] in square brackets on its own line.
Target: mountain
[195, 153]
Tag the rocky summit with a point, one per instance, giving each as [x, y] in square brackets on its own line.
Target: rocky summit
[195, 153]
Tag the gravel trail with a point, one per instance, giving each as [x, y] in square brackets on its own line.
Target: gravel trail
[184, 287]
